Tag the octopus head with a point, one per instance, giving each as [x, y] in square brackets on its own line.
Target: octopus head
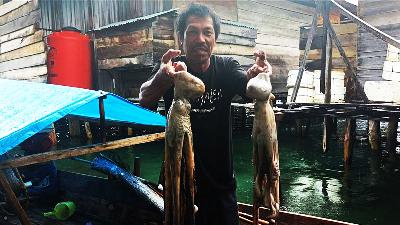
[259, 87]
[188, 86]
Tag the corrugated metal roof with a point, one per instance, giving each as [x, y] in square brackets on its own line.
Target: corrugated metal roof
[143, 18]
[237, 24]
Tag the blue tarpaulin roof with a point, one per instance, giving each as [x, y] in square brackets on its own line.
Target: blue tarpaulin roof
[28, 107]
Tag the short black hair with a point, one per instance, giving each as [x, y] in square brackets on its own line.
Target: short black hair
[199, 10]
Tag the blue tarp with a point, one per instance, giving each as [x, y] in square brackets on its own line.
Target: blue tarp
[28, 107]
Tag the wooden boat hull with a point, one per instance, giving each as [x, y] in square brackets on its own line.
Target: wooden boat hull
[103, 201]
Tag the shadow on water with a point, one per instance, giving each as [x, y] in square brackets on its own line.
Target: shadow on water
[312, 182]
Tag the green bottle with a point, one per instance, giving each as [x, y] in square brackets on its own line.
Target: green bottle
[62, 210]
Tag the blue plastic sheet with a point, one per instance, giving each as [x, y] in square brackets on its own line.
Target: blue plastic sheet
[28, 107]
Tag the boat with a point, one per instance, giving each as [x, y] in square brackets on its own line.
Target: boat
[99, 201]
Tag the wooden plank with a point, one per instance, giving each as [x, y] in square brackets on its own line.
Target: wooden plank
[32, 18]
[73, 152]
[29, 61]
[347, 40]
[25, 74]
[340, 29]
[124, 50]
[289, 6]
[316, 53]
[231, 39]
[128, 38]
[373, 8]
[384, 18]
[262, 10]
[272, 39]
[12, 5]
[19, 33]
[32, 49]
[238, 30]
[21, 42]
[279, 50]
[262, 21]
[228, 49]
[140, 60]
[21, 11]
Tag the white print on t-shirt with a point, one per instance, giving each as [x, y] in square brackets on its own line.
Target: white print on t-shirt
[206, 103]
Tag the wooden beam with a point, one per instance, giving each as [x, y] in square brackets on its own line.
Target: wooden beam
[25, 74]
[140, 60]
[72, 152]
[23, 218]
[371, 29]
[303, 61]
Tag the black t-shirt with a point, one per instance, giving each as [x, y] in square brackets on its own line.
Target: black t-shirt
[211, 122]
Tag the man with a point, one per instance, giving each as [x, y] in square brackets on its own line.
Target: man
[198, 28]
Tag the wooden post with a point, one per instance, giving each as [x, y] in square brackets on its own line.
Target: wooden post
[334, 126]
[136, 167]
[89, 134]
[374, 134]
[391, 137]
[349, 138]
[102, 118]
[326, 60]
[299, 128]
[23, 218]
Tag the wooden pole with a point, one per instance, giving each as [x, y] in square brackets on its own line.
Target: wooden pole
[349, 138]
[72, 152]
[23, 217]
[327, 62]
[136, 166]
[374, 134]
[392, 137]
[102, 118]
[74, 127]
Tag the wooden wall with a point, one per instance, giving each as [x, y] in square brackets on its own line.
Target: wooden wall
[22, 49]
[384, 15]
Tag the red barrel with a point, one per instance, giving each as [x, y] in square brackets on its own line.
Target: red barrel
[69, 60]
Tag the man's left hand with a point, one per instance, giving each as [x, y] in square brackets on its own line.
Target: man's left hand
[261, 65]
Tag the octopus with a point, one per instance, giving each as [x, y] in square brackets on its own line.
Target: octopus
[265, 147]
[179, 156]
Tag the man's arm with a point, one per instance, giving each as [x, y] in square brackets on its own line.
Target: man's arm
[152, 90]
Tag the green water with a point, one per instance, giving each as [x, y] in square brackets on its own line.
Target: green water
[312, 182]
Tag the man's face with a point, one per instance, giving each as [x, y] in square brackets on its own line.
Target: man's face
[199, 39]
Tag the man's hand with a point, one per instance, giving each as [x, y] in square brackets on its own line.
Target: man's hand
[167, 67]
[261, 65]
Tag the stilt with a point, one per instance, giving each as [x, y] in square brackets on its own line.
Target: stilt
[374, 134]
[136, 167]
[334, 127]
[299, 128]
[391, 137]
[349, 138]
[74, 127]
[23, 218]
[327, 133]
[89, 134]
[130, 131]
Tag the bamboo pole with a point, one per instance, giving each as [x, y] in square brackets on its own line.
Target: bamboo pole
[374, 134]
[72, 152]
[23, 217]
[349, 138]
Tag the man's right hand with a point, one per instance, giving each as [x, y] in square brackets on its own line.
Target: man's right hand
[167, 67]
